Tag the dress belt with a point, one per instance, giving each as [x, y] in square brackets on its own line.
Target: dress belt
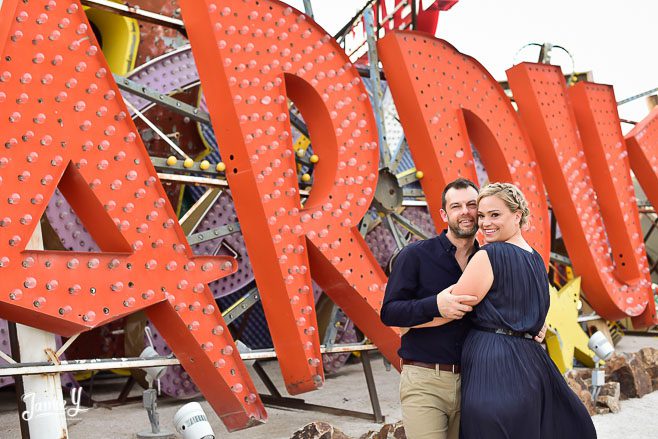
[506, 332]
[454, 368]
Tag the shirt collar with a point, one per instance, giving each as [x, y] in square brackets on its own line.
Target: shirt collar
[449, 246]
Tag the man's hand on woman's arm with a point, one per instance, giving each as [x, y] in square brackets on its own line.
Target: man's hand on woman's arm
[452, 306]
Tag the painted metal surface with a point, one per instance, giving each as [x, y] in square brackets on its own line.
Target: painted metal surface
[260, 53]
[68, 227]
[173, 74]
[36, 345]
[75, 237]
[565, 338]
[118, 37]
[65, 125]
[454, 102]
[156, 39]
[580, 148]
[427, 17]
[642, 144]
[381, 241]
[223, 212]
[392, 15]
[174, 70]
[67, 379]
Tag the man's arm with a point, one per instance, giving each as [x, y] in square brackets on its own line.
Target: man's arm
[400, 307]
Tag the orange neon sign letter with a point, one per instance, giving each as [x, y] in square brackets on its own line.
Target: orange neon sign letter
[251, 57]
[580, 148]
[64, 123]
[454, 102]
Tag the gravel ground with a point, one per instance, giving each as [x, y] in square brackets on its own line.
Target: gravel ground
[637, 420]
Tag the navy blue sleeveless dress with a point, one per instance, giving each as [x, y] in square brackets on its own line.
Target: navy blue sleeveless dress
[510, 386]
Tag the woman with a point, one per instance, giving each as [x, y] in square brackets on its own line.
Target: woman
[510, 386]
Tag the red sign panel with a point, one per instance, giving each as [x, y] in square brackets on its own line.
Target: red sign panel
[251, 59]
[579, 145]
[64, 123]
[446, 101]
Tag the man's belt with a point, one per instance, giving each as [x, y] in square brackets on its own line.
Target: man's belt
[454, 368]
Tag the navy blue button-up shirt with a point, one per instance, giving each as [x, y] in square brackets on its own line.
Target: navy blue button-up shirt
[421, 270]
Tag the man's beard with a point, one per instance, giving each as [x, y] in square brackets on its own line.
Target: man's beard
[461, 233]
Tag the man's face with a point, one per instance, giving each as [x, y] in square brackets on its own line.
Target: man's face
[461, 212]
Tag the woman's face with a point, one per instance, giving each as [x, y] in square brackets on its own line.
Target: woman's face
[496, 221]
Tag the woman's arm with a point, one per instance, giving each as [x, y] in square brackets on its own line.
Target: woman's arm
[457, 306]
[436, 321]
[476, 279]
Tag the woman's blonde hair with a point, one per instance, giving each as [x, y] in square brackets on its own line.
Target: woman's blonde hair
[511, 196]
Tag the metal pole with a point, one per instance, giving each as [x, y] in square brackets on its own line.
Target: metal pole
[18, 380]
[637, 96]
[378, 12]
[545, 53]
[157, 131]
[414, 15]
[157, 97]
[350, 24]
[400, 242]
[47, 367]
[42, 394]
[308, 8]
[372, 389]
[375, 86]
[332, 329]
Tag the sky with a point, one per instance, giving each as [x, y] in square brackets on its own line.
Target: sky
[611, 40]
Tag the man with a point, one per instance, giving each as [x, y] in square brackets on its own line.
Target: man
[430, 386]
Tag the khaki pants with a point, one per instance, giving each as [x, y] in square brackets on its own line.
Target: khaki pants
[431, 401]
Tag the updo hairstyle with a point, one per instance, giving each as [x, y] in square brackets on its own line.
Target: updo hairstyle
[511, 196]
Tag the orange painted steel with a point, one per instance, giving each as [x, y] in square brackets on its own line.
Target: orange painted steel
[642, 144]
[446, 100]
[580, 148]
[427, 17]
[251, 56]
[64, 123]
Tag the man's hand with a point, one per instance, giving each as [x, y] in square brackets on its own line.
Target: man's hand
[542, 334]
[451, 306]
